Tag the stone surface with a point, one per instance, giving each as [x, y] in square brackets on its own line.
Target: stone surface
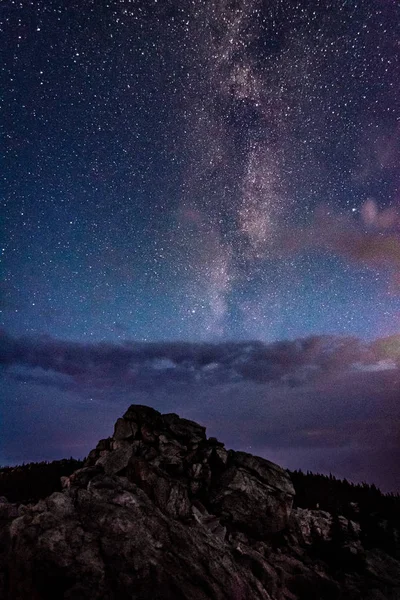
[160, 512]
[125, 429]
[253, 494]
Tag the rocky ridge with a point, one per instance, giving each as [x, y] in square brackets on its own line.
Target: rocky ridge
[160, 512]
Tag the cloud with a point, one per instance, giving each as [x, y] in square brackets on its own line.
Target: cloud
[374, 241]
[282, 362]
[323, 403]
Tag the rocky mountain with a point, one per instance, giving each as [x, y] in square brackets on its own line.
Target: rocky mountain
[160, 512]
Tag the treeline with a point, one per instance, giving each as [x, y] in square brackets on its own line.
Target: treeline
[339, 495]
[32, 481]
[377, 513]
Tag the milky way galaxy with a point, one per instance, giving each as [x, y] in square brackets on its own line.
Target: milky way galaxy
[283, 99]
[167, 165]
[201, 171]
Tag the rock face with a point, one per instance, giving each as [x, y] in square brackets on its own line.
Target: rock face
[160, 512]
[175, 464]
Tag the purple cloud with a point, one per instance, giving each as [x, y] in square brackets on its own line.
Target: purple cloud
[323, 403]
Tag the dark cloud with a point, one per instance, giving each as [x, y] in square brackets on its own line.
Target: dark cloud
[323, 403]
[287, 361]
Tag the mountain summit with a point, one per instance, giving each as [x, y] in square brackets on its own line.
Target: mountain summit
[161, 512]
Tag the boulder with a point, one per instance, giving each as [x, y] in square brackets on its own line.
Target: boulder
[246, 503]
[253, 495]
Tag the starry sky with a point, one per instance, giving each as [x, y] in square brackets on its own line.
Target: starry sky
[202, 175]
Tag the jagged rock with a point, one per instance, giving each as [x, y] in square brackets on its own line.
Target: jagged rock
[249, 504]
[312, 524]
[253, 494]
[184, 429]
[124, 429]
[116, 461]
[117, 544]
[271, 474]
[160, 512]
[169, 495]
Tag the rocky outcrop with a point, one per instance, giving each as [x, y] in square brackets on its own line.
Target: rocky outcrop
[161, 512]
[172, 460]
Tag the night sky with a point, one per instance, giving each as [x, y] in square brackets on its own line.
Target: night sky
[201, 213]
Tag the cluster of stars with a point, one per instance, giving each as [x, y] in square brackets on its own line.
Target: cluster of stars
[159, 155]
